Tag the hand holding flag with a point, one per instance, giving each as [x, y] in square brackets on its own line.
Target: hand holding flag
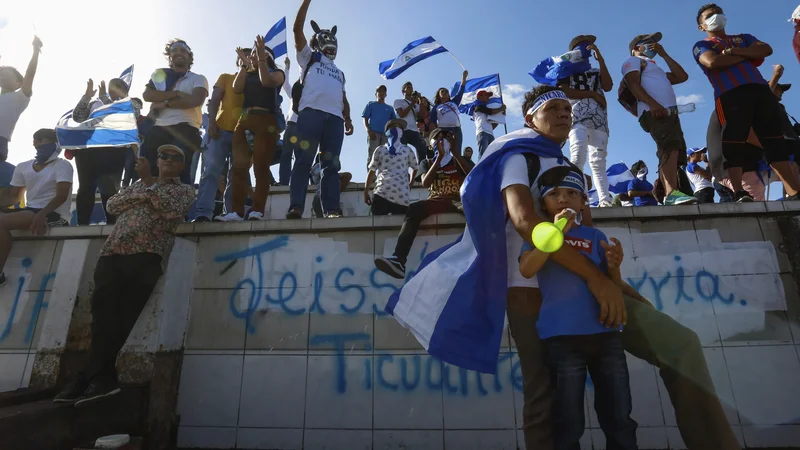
[550, 70]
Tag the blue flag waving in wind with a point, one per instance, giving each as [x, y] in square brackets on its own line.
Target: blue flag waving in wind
[455, 304]
[618, 178]
[550, 70]
[489, 83]
[112, 125]
[414, 52]
[276, 38]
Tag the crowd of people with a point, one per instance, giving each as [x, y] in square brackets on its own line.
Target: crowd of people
[523, 175]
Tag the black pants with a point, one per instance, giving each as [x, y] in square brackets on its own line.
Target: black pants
[745, 107]
[182, 135]
[382, 207]
[705, 195]
[416, 213]
[122, 286]
[415, 139]
[98, 168]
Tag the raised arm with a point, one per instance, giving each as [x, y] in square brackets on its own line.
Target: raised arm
[300, 41]
[777, 73]
[676, 74]
[30, 73]
[268, 78]
[460, 93]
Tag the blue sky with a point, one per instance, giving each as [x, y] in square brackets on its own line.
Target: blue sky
[508, 37]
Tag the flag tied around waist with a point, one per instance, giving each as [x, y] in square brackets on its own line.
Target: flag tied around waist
[455, 304]
[112, 125]
[469, 100]
[550, 70]
[276, 38]
[416, 51]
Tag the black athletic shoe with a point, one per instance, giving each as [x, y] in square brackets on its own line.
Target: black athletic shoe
[294, 214]
[391, 266]
[789, 198]
[96, 392]
[72, 392]
[742, 197]
[201, 219]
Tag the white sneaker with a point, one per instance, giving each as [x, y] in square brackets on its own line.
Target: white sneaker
[605, 204]
[230, 217]
[255, 215]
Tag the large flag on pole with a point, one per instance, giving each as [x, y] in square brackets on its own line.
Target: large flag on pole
[276, 38]
[112, 125]
[469, 100]
[413, 53]
[127, 76]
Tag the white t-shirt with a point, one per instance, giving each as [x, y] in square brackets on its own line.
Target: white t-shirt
[447, 115]
[654, 81]
[12, 104]
[40, 187]
[697, 180]
[482, 124]
[324, 86]
[392, 171]
[410, 118]
[192, 116]
[515, 171]
[291, 116]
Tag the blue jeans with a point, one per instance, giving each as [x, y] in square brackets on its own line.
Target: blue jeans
[484, 139]
[459, 136]
[215, 158]
[568, 358]
[317, 129]
[285, 169]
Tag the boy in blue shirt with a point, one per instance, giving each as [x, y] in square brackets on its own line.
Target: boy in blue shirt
[573, 337]
[639, 189]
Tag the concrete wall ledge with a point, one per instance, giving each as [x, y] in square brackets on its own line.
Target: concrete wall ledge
[373, 223]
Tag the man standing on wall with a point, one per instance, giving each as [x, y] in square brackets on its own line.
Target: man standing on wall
[376, 114]
[407, 108]
[589, 135]
[15, 95]
[176, 95]
[484, 128]
[131, 262]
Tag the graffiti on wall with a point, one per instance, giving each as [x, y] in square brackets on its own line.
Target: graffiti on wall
[14, 297]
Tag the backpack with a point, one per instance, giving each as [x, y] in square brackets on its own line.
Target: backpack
[297, 87]
[626, 97]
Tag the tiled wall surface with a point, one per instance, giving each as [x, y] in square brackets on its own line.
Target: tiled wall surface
[288, 346]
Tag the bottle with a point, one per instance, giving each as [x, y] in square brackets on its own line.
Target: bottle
[681, 109]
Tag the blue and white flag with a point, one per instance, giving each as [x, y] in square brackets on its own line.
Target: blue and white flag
[112, 125]
[594, 199]
[550, 70]
[276, 38]
[127, 76]
[469, 100]
[414, 52]
[455, 305]
[618, 178]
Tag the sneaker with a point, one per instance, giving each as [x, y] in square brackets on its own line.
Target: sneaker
[391, 266]
[230, 217]
[294, 214]
[742, 197]
[72, 392]
[255, 215]
[677, 197]
[96, 392]
[788, 198]
[2, 279]
[201, 219]
[605, 204]
[333, 215]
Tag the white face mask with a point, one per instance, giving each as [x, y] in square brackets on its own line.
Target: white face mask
[642, 174]
[716, 22]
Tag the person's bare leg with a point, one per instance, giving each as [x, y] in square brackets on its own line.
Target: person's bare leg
[344, 180]
[735, 177]
[669, 172]
[12, 221]
[787, 175]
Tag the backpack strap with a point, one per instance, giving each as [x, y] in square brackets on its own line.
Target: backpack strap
[534, 167]
[315, 58]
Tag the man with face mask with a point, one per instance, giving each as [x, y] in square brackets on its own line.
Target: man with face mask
[391, 162]
[657, 108]
[639, 189]
[46, 182]
[176, 96]
[15, 95]
[743, 100]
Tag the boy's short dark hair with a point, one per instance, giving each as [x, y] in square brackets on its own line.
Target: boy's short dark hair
[407, 83]
[553, 177]
[119, 84]
[45, 134]
[637, 166]
[533, 94]
[383, 86]
[703, 9]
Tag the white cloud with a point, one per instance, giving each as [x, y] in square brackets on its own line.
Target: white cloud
[691, 98]
[513, 97]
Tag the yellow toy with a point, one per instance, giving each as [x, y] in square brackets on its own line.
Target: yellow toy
[549, 237]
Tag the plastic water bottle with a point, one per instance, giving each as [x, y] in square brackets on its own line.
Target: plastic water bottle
[681, 109]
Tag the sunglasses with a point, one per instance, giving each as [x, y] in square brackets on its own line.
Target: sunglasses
[170, 157]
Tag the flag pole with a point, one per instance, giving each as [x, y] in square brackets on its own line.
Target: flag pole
[500, 84]
[457, 60]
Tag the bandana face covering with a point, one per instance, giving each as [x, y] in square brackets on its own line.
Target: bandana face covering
[394, 135]
[642, 174]
[45, 151]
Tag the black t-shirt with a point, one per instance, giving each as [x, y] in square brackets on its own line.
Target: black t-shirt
[257, 95]
[449, 179]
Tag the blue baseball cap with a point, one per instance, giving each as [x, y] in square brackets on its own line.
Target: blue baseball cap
[693, 150]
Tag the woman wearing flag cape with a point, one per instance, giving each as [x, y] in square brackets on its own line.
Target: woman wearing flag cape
[456, 303]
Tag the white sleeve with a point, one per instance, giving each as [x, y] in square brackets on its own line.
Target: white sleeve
[287, 88]
[515, 171]
[64, 171]
[201, 81]
[304, 57]
[632, 64]
[18, 179]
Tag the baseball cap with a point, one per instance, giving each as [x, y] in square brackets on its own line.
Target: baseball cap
[484, 91]
[785, 86]
[795, 15]
[395, 123]
[693, 150]
[581, 38]
[170, 147]
[655, 37]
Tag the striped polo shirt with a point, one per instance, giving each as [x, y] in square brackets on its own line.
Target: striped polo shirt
[734, 76]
